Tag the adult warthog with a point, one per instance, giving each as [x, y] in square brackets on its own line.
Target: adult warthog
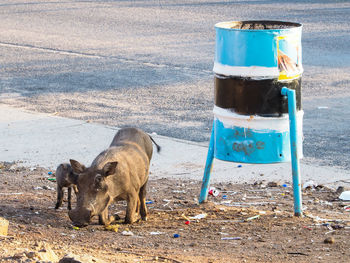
[118, 173]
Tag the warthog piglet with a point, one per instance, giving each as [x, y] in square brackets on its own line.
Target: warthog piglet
[65, 178]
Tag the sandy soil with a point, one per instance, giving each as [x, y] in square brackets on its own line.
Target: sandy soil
[244, 223]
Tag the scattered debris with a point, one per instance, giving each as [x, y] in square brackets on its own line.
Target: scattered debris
[200, 216]
[252, 218]
[229, 192]
[127, 233]
[337, 226]
[46, 254]
[272, 184]
[179, 191]
[113, 228]
[329, 240]
[309, 185]
[231, 238]
[298, 253]
[308, 228]
[185, 217]
[339, 190]
[45, 187]
[4, 225]
[246, 204]
[71, 258]
[213, 191]
[320, 219]
[345, 196]
[156, 233]
[224, 227]
[322, 202]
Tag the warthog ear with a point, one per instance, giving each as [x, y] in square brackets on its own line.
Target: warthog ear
[77, 167]
[109, 168]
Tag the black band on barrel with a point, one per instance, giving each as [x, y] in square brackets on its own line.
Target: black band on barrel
[254, 97]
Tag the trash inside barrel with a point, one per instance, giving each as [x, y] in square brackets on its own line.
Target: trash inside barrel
[253, 61]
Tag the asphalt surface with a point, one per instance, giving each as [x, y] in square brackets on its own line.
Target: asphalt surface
[149, 64]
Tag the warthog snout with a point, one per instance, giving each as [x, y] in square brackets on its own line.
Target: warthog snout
[80, 217]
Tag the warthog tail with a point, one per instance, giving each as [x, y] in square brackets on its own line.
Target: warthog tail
[158, 147]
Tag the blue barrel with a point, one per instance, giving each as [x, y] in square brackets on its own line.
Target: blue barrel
[253, 61]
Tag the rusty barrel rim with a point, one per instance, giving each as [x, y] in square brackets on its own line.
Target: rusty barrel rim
[272, 25]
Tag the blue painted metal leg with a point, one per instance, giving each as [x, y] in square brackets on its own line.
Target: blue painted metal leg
[292, 110]
[208, 165]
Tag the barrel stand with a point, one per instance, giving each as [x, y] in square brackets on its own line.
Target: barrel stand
[293, 148]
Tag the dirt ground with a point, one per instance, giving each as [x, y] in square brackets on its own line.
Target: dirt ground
[244, 223]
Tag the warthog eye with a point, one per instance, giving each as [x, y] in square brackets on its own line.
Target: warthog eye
[98, 182]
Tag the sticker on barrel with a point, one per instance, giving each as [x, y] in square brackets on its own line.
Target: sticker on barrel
[289, 57]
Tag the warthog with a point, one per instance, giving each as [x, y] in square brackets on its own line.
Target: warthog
[65, 178]
[118, 173]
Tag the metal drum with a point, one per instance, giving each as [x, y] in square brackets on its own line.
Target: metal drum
[253, 61]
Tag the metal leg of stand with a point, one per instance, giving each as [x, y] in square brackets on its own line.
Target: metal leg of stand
[294, 149]
[208, 166]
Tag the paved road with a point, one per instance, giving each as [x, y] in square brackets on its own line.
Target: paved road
[148, 63]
